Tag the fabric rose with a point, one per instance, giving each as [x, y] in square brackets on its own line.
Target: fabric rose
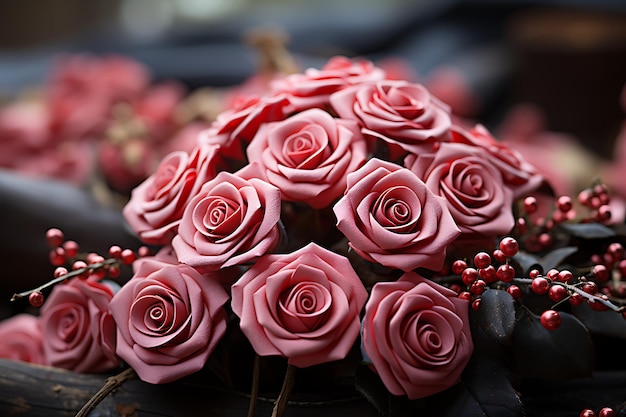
[477, 197]
[390, 217]
[307, 156]
[169, 319]
[313, 88]
[157, 204]
[230, 221]
[416, 335]
[78, 328]
[303, 306]
[517, 173]
[21, 339]
[402, 114]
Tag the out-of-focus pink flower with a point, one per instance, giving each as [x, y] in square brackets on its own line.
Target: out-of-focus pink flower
[21, 339]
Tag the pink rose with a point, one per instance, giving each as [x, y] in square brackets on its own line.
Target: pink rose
[402, 114]
[307, 156]
[416, 335]
[303, 306]
[21, 339]
[169, 319]
[78, 329]
[517, 173]
[477, 197]
[313, 88]
[389, 216]
[156, 205]
[230, 221]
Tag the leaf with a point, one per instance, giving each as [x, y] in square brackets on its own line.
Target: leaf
[557, 256]
[527, 261]
[605, 323]
[587, 230]
[566, 352]
[496, 316]
[372, 388]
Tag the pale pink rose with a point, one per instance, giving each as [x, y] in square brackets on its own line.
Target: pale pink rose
[169, 319]
[230, 221]
[78, 328]
[303, 306]
[157, 205]
[156, 109]
[479, 200]
[307, 156]
[234, 128]
[21, 339]
[389, 216]
[313, 88]
[518, 174]
[127, 164]
[416, 336]
[402, 114]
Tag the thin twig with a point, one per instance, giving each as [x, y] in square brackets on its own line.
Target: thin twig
[254, 392]
[283, 397]
[110, 384]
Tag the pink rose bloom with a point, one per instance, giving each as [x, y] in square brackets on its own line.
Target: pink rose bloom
[230, 221]
[125, 165]
[169, 319]
[517, 173]
[307, 156]
[390, 217]
[303, 306]
[416, 335]
[78, 328]
[313, 88]
[234, 128]
[156, 205]
[477, 197]
[404, 115]
[21, 339]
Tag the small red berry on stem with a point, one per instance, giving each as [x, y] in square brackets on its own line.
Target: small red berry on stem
[465, 295]
[557, 293]
[489, 274]
[576, 299]
[54, 237]
[115, 252]
[476, 304]
[515, 292]
[550, 319]
[606, 412]
[459, 266]
[81, 265]
[60, 271]
[71, 248]
[482, 260]
[590, 287]
[478, 287]
[530, 204]
[469, 275]
[36, 299]
[498, 255]
[564, 203]
[540, 285]
[600, 273]
[128, 256]
[57, 256]
[505, 273]
[509, 246]
[587, 412]
[565, 276]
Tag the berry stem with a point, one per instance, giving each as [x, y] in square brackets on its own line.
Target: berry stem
[71, 274]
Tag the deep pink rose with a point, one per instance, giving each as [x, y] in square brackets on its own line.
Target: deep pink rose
[313, 88]
[416, 335]
[479, 200]
[169, 319]
[389, 216]
[517, 173]
[230, 221]
[303, 306]
[78, 328]
[402, 114]
[21, 339]
[157, 205]
[307, 156]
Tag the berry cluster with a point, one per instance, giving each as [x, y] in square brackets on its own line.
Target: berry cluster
[66, 254]
[604, 412]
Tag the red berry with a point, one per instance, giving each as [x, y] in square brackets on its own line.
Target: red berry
[590, 287]
[115, 252]
[509, 246]
[458, 266]
[552, 274]
[545, 239]
[600, 273]
[616, 250]
[597, 305]
[564, 203]
[71, 248]
[144, 251]
[522, 227]
[465, 295]
[476, 304]
[488, 274]
[36, 299]
[128, 256]
[81, 265]
[576, 299]
[587, 412]
[595, 202]
[622, 268]
[469, 275]
[604, 213]
[456, 288]
[550, 319]
[57, 256]
[606, 412]
[54, 237]
[515, 292]
[60, 271]
[530, 204]
[534, 273]
[540, 285]
[114, 271]
[482, 260]
[596, 259]
[565, 276]
[498, 255]
[478, 287]
[505, 273]
[557, 293]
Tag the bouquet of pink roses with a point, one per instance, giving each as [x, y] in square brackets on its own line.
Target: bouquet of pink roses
[346, 219]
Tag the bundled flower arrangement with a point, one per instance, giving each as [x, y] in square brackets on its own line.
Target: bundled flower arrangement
[344, 226]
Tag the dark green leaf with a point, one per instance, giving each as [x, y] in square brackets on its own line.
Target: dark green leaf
[587, 230]
[496, 316]
[566, 352]
[557, 256]
[605, 323]
[527, 261]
